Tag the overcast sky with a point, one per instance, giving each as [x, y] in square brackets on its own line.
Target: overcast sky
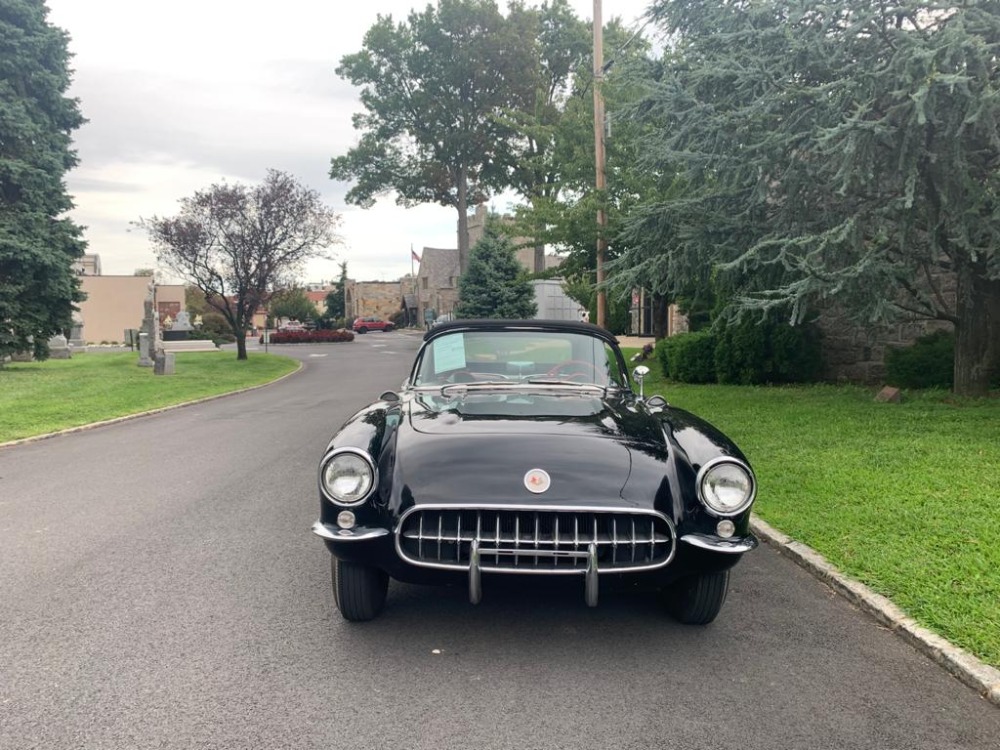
[183, 94]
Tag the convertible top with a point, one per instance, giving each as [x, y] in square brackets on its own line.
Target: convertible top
[521, 325]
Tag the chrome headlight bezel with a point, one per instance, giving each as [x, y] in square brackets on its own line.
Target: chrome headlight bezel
[327, 492]
[705, 471]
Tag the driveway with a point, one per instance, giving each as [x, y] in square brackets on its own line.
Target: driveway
[159, 588]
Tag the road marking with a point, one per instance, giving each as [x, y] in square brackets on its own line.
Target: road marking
[387, 352]
[317, 355]
[376, 346]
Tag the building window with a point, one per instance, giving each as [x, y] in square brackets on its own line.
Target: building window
[424, 282]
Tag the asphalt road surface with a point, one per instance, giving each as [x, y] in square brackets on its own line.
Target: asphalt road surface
[160, 588]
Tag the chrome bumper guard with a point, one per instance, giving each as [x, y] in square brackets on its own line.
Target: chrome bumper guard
[590, 587]
[560, 540]
[733, 546]
[357, 534]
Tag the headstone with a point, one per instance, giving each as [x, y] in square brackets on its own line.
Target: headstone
[144, 358]
[149, 335]
[76, 339]
[183, 322]
[59, 347]
[26, 356]
[163, 363]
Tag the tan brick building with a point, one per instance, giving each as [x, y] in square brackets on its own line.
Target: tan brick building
[115, 303]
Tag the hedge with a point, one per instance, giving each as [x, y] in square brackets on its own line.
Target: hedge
[308, 337]
[928, 363]
[688, 357]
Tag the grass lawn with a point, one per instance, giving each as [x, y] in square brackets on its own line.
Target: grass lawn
[904, 497]
[41, 397]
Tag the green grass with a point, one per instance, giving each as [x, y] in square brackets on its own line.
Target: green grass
[41, 397]
[904, 497]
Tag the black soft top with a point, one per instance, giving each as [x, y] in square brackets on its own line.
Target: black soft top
[572, 326]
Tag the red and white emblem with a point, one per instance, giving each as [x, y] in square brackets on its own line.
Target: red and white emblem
[537, 481]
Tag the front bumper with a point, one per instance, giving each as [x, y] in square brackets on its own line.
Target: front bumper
[330, 533]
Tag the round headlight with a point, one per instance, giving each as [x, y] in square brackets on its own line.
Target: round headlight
[725, 487]
[347, 478]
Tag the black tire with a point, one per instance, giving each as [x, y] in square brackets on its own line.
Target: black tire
[362, 330]
[359, 590]
[389, 327]
[697, 599]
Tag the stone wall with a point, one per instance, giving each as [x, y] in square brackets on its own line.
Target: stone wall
[856, 353]
[381, 299]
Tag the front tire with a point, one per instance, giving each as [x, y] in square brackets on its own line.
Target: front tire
[362, 330]
[697, 599]
[359, 590]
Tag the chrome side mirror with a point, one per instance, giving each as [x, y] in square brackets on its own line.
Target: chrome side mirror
[639, 373]
[389, 396]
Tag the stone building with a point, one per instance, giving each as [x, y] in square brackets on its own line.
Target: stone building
[381, 299]
[115, 303]
[437, 282]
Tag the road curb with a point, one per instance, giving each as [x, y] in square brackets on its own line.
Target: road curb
[138, 415]
[981, 677]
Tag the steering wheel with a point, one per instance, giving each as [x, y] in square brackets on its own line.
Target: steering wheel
[573, 369]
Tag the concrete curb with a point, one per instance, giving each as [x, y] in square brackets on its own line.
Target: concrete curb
[981, 677]
[137, 415]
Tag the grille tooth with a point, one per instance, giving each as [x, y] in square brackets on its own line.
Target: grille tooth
[535, 540]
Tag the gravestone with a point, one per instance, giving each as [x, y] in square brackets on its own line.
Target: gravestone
[147, 335]
[163, 364]
[76, 339]
[59, 347]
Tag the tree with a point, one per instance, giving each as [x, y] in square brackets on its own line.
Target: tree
[495, 285]
[38, 245]
[335, 300]
[292, 303]
[832, 151]
[432, 89]
[561, 59]
[239, 243]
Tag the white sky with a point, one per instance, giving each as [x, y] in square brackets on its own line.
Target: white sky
[183, 94]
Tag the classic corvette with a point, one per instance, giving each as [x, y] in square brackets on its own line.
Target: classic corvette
[521, 448]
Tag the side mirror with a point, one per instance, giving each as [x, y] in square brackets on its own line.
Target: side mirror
[639, 373]
[388, 396]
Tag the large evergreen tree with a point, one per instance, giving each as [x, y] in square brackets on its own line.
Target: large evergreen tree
[38, 244]
[496, 285]
[843, 151]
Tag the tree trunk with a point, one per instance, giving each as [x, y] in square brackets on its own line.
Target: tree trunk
[241, 345]
[463, 221]
[977, 333]
[660, 309]
[539, 258]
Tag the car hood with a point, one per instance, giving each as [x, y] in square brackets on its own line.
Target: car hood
[484, 442]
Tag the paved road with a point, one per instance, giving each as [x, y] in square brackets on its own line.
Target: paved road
[159, 588]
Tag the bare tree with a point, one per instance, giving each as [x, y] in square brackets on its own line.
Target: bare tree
[239, 243]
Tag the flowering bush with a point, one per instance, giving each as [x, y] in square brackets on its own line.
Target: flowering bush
[309, 337]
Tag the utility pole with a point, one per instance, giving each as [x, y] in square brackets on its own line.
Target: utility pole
[602, 217]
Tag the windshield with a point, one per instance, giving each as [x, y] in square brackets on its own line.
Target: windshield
[519, 357]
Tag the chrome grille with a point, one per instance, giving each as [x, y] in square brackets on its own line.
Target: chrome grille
[525, 539]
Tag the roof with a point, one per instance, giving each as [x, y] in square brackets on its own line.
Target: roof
[439, 265]
[521, 325]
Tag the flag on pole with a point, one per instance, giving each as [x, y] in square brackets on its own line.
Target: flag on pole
[413, 254]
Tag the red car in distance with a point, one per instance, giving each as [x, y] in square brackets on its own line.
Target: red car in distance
[364, 325]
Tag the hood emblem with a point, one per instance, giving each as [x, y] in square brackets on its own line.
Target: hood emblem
[537, 481]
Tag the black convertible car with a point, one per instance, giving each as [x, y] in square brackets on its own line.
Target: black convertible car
[520, 448]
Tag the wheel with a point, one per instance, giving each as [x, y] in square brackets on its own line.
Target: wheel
[697, 599]
[388, 327]
[359, 590]
[362, 330]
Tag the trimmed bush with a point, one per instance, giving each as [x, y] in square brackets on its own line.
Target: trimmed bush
[688, 357]
[309, 337]
[757, 351]
[928, 363]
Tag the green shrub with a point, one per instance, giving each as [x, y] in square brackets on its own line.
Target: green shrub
[767, 351]
[214, 326]
[689, 357]
[928, 363]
